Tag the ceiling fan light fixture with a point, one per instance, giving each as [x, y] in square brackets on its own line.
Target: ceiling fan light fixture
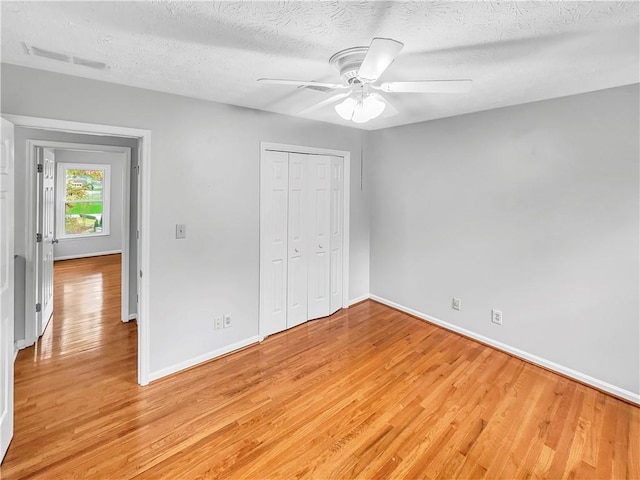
[346, 108]
[361, 111]
[374, 105]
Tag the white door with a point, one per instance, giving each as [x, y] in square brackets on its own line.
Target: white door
[274, 191]
[319, 238]
[6, 288]
[46, 227]
[297, 244]
[337, 187]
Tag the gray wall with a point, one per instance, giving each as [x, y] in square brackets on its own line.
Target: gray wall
[532, 210]
[21, 137]
[92, 245]
[204, 173]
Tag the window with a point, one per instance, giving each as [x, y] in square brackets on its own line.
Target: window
[83, 200]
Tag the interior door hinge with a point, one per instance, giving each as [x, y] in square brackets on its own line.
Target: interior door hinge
[38, 307]
[40, 168]
[138, 234]
[38, 237]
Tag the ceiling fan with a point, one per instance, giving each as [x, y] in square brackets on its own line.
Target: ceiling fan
[360, 68]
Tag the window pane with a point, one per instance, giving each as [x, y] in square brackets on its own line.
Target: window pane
[82, 224]
[83, 202]
[84, 184]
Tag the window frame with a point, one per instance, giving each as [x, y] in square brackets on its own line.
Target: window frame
[61, 193]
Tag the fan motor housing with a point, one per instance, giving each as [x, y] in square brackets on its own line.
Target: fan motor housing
[348, 62]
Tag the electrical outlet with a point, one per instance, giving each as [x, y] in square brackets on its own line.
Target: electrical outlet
[496, 316]
[218, 322]
[456, 304]
[227, 321]
[181, 230]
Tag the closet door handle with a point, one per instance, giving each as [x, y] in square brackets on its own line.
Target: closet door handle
[320, 246]
[295, 250]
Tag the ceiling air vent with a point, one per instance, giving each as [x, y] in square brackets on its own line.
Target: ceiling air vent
[316, 88]
[89, 63]
[63, 57]
[41, 52]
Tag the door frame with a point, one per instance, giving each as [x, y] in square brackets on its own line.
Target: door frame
[346, 199]
[143, 227]
[32, 279]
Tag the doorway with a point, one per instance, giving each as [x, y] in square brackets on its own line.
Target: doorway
[83, 209]
[142, 172]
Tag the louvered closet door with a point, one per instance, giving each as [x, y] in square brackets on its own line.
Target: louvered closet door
[336, 234]
[319, 238]
[297, 235]
[274, 185]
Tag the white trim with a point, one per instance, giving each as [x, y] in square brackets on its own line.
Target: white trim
[132, 316]
[346, 195]
[543, 362]
[20, 344]
[205, 357]
[359, 299]
[87, 255]
[144, 191]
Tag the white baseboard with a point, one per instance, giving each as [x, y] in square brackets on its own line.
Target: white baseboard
[359, 299]
[543, 362]
[87, 255]
[202, 358]
[132, 316]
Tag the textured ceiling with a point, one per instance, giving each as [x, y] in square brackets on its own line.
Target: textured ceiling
[515, 52]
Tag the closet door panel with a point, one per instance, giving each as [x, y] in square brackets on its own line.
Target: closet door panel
[336, 234]
[297, 240]
[274, 192]
[319, 236]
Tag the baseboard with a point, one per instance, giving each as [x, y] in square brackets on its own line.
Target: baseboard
[87, 255]
[133, 316]
[529, 357]
[359, 299]
[202, 358]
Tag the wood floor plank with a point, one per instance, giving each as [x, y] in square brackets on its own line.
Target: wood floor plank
[367, 393]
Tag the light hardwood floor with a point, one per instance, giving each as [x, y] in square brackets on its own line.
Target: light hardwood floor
[367, 393]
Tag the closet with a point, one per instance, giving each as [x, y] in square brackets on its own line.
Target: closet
[301, 238]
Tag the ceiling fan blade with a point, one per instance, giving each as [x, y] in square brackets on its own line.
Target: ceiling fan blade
[301, 83]
[390, 110]
[380, 55]
[426, 86]
[325, 102]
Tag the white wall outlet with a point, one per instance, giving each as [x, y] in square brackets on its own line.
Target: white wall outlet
[181, 230]
[496, 316]
[456, 304]
[218, 322]
[227, 321]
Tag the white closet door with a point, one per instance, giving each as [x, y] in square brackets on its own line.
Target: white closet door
[273, 242]
[337, 189]
[319, 238]
[298, 239]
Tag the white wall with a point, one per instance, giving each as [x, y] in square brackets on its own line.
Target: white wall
[204, 173]
[92, 245]
[21, 137]
[532, 210]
